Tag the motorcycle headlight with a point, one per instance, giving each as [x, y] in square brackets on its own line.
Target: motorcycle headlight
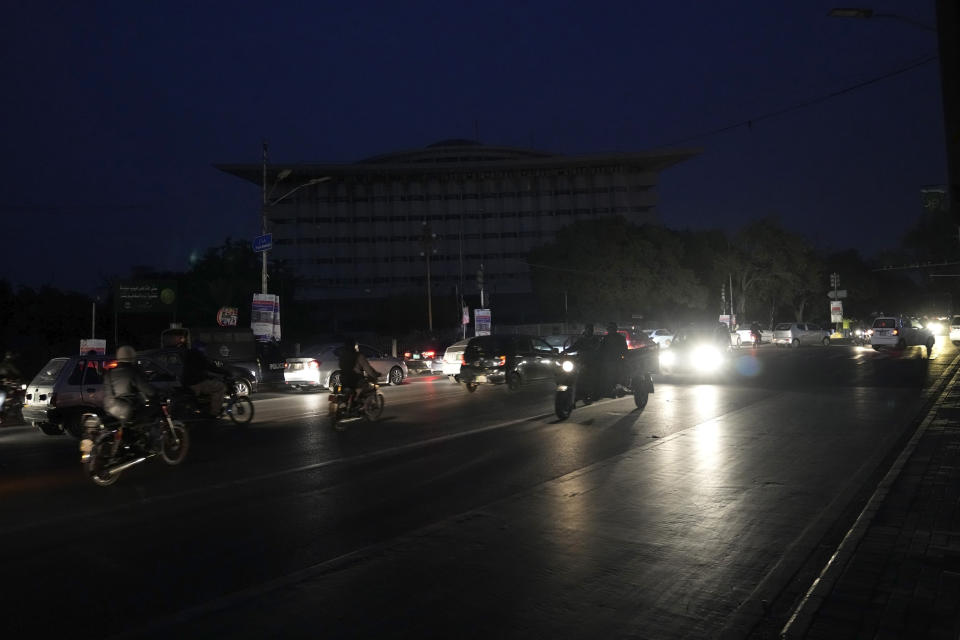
[667, 358]
[567, 366]
[706, 358]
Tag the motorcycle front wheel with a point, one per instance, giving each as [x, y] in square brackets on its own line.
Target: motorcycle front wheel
[96, 465]
[641, 396]
[563, 404]
[175, 445]
[373, 407]
[242, 411]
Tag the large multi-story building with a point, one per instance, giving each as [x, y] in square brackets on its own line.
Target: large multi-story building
[376, 228]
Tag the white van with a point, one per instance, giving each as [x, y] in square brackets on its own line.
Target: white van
[955, 330]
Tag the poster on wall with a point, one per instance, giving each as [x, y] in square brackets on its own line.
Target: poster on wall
[265, 318]
[227, 316]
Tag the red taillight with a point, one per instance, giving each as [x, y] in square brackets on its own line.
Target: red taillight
[110, 364]
[503, 360]
[407, 354]
[286, 365]
[462, 361]
[429, 354]
[313, 364]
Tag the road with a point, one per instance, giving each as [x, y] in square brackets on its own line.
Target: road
[471, 515]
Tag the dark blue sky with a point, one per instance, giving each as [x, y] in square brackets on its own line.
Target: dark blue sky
[114, 112]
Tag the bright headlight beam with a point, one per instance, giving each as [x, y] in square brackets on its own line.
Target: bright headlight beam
[567, 366]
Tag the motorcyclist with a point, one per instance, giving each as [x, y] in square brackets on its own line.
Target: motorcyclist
[755, 333]
[202, 375]
[354, 369]
[613, 349]
[127, 394]
[9, 376]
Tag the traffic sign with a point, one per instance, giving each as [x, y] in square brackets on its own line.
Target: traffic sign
[263, 243]
[834, 295]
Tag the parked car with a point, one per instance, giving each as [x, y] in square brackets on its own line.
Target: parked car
[663, 337]
[505, 359]
[794, 334]
[453, 358]
[900, 333]
[67, 387]
[245, 378]
[318, 366]
[955, 330]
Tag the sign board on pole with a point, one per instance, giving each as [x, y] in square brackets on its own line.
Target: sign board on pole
[836, 311]
[842, 293]
[481, 322]
[263, 243]
[466, 316]
[96, 345]
[265, 319]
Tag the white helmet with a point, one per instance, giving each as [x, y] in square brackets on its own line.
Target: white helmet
[126, 353]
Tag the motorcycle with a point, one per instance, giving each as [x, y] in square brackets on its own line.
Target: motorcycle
[192, 407]
[109, 447]
[13, 395]
[861, 337]
[579, 372]
[366, 404]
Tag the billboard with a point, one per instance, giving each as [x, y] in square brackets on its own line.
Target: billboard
[147, 296]
[265, 319]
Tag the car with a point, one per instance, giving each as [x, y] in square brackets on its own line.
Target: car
[698, 350]
[69, 386]
[742, 336]
[424, 360]
[561, 341]
[244, 377]
[955, 330]
[318, 366]
[507, 359]
[662, 337]
[452, 358]
[794, 334]
[900, 333]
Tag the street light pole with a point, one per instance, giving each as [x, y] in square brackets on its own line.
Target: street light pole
[263, 223]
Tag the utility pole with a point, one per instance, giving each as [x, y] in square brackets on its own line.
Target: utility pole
[426, 240]
[835, 283]
[480, 284]
[263, 223]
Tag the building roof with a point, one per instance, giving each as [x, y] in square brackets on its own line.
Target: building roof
[450, 157]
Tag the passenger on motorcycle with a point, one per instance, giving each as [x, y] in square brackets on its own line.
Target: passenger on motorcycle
[127, 395]
[354, 368]
[613, 349]
[202, 375]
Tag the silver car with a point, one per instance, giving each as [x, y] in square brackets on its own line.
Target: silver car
[794, 334]
[318, 366]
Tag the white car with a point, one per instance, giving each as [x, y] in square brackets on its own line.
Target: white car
[319, 366]
[663, 337]
[743, 336]
[794, 334]
[452, 358]
[955, 330]
[900, 333]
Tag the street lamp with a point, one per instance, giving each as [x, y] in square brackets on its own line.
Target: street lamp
[268, 202]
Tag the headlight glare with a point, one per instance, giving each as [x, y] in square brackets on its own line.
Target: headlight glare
[567, 366]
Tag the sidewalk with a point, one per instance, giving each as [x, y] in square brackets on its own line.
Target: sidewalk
[901, 578]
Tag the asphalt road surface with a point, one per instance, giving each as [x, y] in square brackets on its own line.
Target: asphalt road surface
[471, 515]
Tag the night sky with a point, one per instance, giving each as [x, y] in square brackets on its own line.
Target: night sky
[113, 113]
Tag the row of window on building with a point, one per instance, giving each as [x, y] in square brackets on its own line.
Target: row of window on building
[529, 192]
[437, 257]
[476, 215]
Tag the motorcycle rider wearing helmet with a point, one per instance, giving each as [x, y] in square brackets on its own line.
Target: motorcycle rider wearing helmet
[354, 369]
[202, 375]
[127, 394]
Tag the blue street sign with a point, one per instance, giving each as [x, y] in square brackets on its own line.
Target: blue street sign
[263, 243]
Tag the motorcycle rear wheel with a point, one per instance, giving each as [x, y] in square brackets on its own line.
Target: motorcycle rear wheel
[98, 461]
[373, 407]
[641, 397]
[173, 453]
[242, 411]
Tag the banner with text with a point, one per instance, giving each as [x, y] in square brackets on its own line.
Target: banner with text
[157, 296]
[481, 322]
[265, 319]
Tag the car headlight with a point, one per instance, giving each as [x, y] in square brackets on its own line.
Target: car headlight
[936, 327]
[567, 366]
[706, 358]
[667, 358]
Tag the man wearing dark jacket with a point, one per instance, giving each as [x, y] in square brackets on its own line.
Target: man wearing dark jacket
[126, 390]
[201, 375]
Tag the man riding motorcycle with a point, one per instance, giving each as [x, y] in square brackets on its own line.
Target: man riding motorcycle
[128, 396]
[9, 380]
[202, 375]
[354, 369]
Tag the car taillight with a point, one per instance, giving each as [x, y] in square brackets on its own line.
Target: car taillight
[429, 354]
[462, 360]
[286, 365]
[112, 364]
[313, 364]
[407, 354]
[503, 360]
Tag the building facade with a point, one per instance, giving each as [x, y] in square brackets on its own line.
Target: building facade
[391, 224]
